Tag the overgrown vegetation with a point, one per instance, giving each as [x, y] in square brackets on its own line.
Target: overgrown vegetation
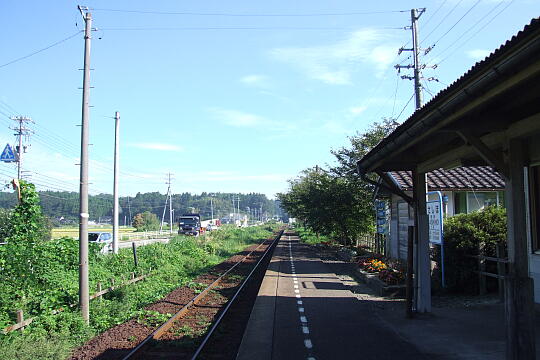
[40, 276]
[466, 234]
[336, 202]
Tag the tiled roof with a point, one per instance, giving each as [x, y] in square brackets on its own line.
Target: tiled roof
[461, 178]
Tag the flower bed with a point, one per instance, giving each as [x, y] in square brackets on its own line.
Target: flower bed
[382, 275]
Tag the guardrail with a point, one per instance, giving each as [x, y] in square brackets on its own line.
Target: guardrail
[146, 235]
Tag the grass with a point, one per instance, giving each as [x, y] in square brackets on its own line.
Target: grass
[309, 237]
[175, 264]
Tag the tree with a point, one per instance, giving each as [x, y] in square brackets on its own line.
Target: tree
[146, 221]
[337, 202]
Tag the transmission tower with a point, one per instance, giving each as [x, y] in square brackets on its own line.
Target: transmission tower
[21, 131]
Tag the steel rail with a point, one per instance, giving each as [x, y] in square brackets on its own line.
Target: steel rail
[230, 302]
[156, 334]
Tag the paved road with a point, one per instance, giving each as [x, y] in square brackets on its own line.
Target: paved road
[304, 311]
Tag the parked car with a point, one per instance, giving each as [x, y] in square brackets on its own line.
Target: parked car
[103, 238]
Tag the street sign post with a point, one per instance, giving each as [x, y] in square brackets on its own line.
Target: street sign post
[435, 218]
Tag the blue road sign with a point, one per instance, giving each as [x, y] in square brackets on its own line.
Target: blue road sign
[8, 155]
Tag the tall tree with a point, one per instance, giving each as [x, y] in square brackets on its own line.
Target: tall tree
[337, 202]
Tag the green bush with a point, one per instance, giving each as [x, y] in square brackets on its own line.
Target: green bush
[464, 234]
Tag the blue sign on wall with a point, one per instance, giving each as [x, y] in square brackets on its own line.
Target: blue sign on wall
[381, 216]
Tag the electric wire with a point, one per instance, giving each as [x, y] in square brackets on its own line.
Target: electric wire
[428, 20]
[195, 28]
[457, 22]
[468, 31]
[190, 13]
[476, 33]
[395, 95]
[442, 20]
[40, 50]
[407, 104]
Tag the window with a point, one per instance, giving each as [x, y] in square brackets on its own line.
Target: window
[460, 203]
[467, 202]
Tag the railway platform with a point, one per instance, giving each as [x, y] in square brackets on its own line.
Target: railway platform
[304, 311]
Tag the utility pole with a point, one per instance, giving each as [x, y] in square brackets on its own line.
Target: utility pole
[416, 66]
[129, 211]
[420, 288]
[21, 130]
[169, 200]
[84, 299]
[170, 208]
[116, 173]
[211, 211]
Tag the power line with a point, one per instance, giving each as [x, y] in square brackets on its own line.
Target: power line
[442, 20]
[457, 22]
[435, 13]
[352, 13]
[476, 33]
[401, 112]
[468, 31]
[239, 28]
[40, 50]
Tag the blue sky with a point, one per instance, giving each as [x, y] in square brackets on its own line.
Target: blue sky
[224, 98]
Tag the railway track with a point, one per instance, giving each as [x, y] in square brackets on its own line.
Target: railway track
[186, 334]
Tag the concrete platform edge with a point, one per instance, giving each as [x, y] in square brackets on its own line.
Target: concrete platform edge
[257, 341]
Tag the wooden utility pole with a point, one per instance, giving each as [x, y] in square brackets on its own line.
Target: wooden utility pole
[115, 185]
[21, 130]
[84, 299]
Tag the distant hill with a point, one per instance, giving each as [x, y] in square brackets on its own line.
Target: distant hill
[57, 205]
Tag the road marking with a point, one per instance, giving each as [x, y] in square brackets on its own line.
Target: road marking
[303, 319]
[299, 302]
[305, 329]
[296, 286]
[297, 291]
[298, 296]
[308, 343]
[301, 309]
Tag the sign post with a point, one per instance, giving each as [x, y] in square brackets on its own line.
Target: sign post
[435, 216]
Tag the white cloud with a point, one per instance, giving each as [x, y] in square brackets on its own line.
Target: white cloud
[260, 81]
[357, 110]
[238, 118]
[336, 63]
[158, 146]
[478, 54]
